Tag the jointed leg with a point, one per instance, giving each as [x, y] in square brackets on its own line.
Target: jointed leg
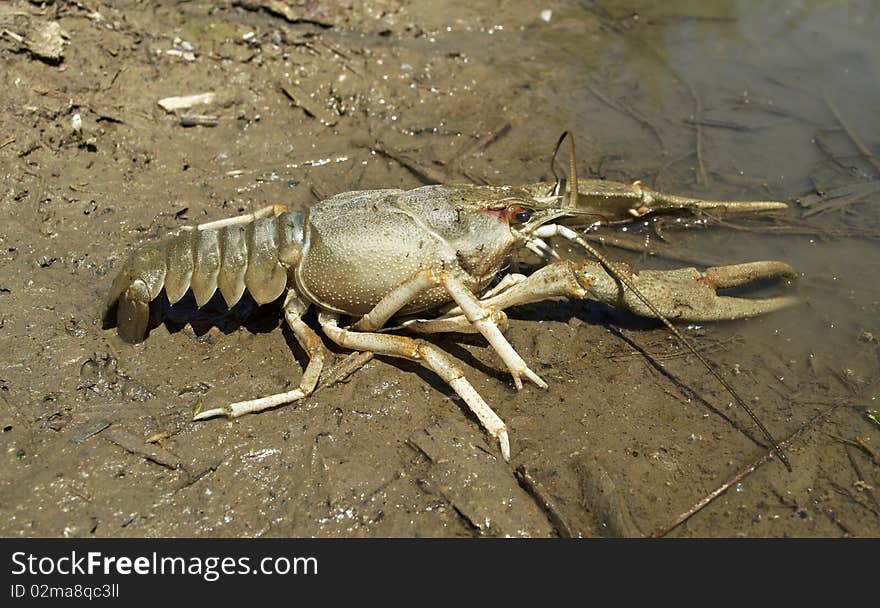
[294, 308]
[454, 323]
[482, 319]
[396, 299]
[428, 355]
[473, 311]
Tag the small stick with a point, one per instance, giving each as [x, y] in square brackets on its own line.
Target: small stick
[861, 477]
[352, 363]
[659, 251]
[698, 111]
[836, 205]
[860, 444]
[624, 109]
[875, 456]
[198, 120]
[7, 142]
[536, 490]
[423, 173]
[13, 36]
[863, 149]
[137, 446]
[663, 531]
[718, 124]
[480, 145]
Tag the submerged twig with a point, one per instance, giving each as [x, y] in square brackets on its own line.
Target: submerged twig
[822, 195]
[719, 124]
[658, 250]
[863, 149]
[698, 111]
[860, 478]
[793, 226]
[837, 204]
[625, 109]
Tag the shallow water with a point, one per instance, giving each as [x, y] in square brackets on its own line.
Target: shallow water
[773, 79]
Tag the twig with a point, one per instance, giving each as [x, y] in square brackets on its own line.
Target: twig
[624, 109]
[297, 98]
[480, 145]
[90, 429]
[698, 111]
[719, 124]
[536, 490]
[137, 446]
[861, 478]
[837, 204]
[875, 456]
[719, 346]
[702, 177]
[860, 444]
[423, 173]
[352, 363]
[659, 250]
[199, 120]
[863, 149]
[172, 104]
[7, 142]
[13, 36]
[794, 226]
[664, 530]
[821, 195]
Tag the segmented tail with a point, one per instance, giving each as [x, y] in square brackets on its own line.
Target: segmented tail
[254, 256]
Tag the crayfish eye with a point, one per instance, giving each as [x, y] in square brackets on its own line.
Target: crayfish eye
[520, 215]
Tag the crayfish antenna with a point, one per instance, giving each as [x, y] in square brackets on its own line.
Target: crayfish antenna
[573, 188]
[559, 188]
[610, 269]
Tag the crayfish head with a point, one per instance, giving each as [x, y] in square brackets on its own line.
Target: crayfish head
[502, 221]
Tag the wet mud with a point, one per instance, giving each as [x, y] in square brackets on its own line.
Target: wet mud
[737, 100]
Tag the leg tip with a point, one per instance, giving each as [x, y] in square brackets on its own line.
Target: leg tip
[539, 382]
[504, 444]
[201, 414]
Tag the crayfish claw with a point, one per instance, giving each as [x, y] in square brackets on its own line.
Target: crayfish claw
[686, 294]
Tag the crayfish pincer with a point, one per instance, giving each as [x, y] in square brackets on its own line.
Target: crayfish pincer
[434, 254]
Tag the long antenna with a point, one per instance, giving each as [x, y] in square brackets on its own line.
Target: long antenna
[606, 264]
